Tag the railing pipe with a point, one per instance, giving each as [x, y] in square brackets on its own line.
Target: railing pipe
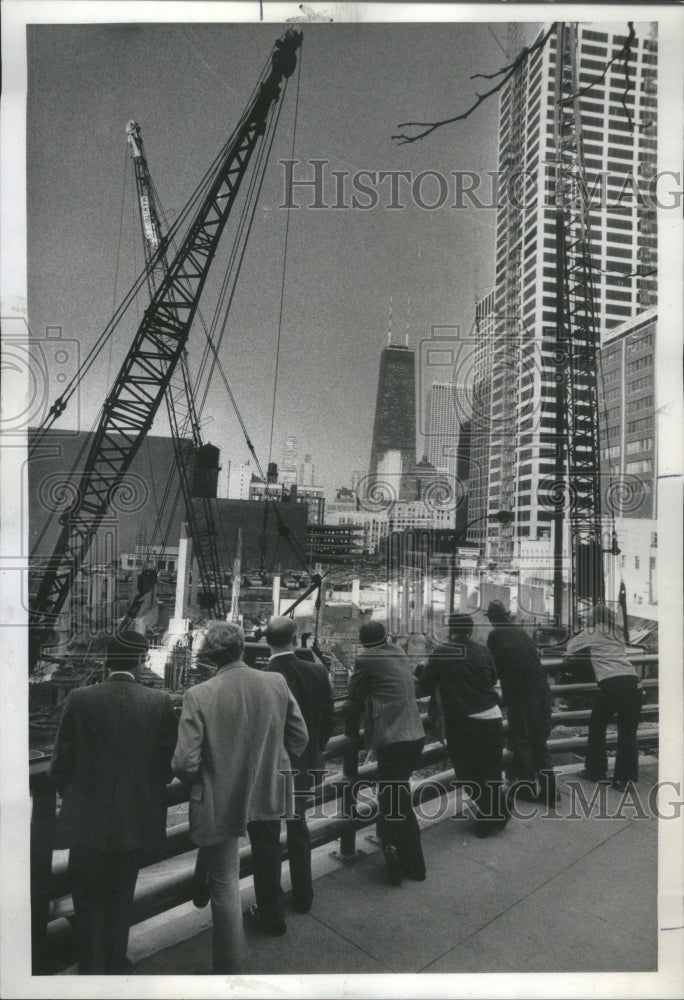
[350, 774]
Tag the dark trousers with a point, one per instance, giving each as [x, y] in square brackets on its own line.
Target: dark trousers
[102, 888]
[621, 697]
[529, 725]
[264, 837]
[397, 824]
[475, 748]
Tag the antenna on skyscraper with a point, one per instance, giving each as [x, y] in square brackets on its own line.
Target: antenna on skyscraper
[389, 331]
[408, 318]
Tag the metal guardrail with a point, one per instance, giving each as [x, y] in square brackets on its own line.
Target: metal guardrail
[50, 882]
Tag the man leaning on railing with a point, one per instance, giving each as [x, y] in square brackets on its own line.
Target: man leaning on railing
[110, 764]
[383, 677]
[235, 734]
[620, 695]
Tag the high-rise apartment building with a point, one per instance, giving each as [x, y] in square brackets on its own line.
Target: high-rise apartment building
[306, 472]
[628, 418]
[394, 428]
[513, 465]
[480, 481]
[288, 467]
[448, 410]
[239, 480]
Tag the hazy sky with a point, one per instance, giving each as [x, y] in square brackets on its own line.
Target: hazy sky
[187, 86]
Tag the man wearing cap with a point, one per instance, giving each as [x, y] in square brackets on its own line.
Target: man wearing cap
[111, 763]
[309, 683]
[238, 733]
[383, 677]
[464, 672]
[527, 697]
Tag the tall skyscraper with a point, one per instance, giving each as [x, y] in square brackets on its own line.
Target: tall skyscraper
[515, 369]
[395, 408]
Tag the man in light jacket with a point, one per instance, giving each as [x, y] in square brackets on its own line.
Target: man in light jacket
[383, 676]
[620, 695]
[235, 734]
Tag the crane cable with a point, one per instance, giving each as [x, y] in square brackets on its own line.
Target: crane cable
[282, 283]
[264, 528]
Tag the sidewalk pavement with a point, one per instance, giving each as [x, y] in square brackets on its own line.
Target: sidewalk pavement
[549, 894]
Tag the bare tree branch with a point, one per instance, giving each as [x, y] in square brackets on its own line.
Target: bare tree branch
[624, 54]
[506, 72]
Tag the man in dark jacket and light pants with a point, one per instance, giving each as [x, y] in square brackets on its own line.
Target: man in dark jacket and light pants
[465, 674]
[111, 763]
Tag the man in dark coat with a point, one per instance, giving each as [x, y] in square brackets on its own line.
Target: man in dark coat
[527, 697]
[383, 680]
[309, 683]
[464, 672]
[111, 763]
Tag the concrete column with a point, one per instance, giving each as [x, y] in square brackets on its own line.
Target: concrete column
[183, 576]
[234, 613]
[276, 594]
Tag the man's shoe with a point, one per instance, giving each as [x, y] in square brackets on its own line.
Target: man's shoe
[395, 872]
[415, 876]
[301, 905]
[252, 919]
[200, 892]
[598, 778]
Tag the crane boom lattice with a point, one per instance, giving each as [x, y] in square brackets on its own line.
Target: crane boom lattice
[577, 338]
